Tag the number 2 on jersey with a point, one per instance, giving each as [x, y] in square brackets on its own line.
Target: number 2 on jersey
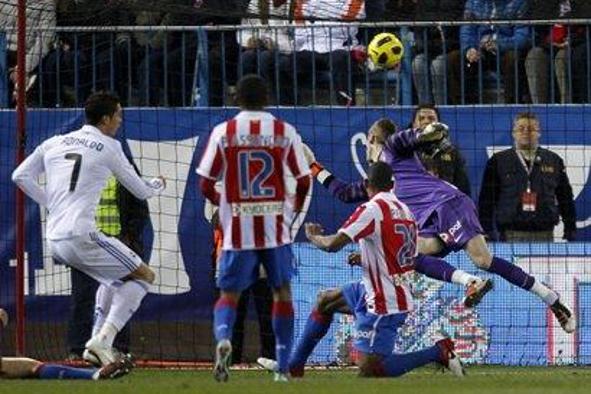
[407, 251]
[76, 170]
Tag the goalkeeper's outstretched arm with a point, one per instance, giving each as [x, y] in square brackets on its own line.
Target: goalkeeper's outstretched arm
[346, 192]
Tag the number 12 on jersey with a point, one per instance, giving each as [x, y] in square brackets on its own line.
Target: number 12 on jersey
[260, 177]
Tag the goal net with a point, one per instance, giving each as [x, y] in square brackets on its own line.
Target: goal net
[177, 83]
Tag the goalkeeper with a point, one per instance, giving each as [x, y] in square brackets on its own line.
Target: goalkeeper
[23, 367]
[447, 218]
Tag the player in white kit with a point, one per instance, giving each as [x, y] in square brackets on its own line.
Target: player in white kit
[77, 166]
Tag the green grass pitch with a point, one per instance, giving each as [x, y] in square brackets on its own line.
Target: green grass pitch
[480, 380]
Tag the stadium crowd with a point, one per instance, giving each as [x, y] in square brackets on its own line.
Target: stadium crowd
[302, 60]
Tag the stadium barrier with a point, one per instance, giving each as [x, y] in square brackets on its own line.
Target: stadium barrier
[510, 327]
[199, 66]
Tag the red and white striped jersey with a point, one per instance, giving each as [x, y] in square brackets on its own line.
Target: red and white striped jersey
[387, 235]
[254, 155]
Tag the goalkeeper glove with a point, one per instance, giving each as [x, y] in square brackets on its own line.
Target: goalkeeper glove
[315, 167]
[433, 132]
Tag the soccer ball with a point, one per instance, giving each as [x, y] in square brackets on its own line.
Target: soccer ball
[385, 51]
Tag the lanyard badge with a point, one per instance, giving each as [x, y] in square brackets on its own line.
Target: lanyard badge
[529, 199]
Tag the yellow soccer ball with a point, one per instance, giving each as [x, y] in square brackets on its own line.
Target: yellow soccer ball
[385, 50]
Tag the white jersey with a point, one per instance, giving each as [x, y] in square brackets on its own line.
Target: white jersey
[254, 155]
[77, 166]
[387, 236]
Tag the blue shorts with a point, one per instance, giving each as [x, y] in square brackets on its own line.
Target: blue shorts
[238, 270]
[455, 222]
[374, 334]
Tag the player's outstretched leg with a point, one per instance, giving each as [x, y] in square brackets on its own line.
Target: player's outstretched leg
[112, 370]
[481, 256]
[224, 316]
[399, 364]
[439, 269]
[316, 328]
[127, 298]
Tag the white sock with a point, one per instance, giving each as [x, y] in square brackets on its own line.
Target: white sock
[126, 300]
[102, 305]
[548, 295]
[107, 333]
[463, 278]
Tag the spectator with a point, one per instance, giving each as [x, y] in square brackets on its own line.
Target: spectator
[160, 51]
[561, 38]
[222, 45]
[579, 56]
[263, 47]
[322, 49]
[37, 43]
[432, 44]
[447, 164]
[102, 56]
[482, 44]
[526, 188]
[260, 291]
[119, 214]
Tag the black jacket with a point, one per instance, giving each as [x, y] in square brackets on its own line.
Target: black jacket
[505, 179]
[134, 215]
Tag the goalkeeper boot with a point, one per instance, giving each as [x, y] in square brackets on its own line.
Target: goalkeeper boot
[223, 351]
[565, 316]
[268, 364]
[100, 350]
[475, 292]
[116, 369]
[449, 358]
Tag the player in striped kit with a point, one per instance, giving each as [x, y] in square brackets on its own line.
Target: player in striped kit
[386, 232]
[253, 155]
[77, 166]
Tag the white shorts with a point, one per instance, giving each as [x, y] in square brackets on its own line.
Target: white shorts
[106, 259]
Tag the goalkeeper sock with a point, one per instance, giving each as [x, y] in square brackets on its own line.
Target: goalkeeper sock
[283, 326]
[224, 316]
[463, 278]
[399, 364]
[126, 300]
[435, 268]
[102, 306]
[544, 292]
[316, 328]
[54, 371]
[511, 273]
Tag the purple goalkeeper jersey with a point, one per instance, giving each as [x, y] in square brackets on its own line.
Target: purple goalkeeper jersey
[414, 186]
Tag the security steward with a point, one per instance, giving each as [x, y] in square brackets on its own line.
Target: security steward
[525, 189]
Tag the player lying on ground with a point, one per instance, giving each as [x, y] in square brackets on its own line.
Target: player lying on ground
[387, 234]
[446, 217]
[77, 166]
[23, 367]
